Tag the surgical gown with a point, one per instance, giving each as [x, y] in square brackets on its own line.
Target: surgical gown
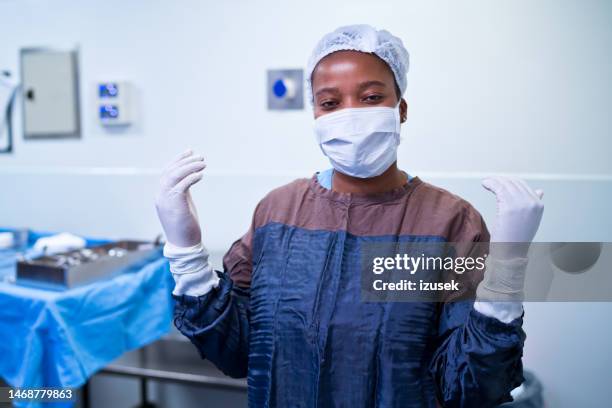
[287, 312]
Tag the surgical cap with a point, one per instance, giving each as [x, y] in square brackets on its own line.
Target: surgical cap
[363, 38]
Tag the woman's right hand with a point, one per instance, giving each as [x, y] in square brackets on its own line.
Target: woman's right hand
[175, 208]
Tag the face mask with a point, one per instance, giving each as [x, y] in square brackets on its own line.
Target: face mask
[360, 142]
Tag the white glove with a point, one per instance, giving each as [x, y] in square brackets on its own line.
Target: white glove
[190, 269]
[175, 208]
[519, 212]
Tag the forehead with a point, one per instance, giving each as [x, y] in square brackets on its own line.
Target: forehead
[348, 67]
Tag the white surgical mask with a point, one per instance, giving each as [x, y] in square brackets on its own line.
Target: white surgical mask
[360, 142]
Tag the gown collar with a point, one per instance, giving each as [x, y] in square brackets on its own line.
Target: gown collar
[373, 198]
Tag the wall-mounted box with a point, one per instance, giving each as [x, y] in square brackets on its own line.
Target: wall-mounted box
[114, 103]
[50, 93]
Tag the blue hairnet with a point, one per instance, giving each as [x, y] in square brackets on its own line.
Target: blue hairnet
[364, 38]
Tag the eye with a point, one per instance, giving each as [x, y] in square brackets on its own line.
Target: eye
[374, 98]
[328, 104]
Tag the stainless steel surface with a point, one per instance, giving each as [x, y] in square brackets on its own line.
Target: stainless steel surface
[172, 361]
[74, 268]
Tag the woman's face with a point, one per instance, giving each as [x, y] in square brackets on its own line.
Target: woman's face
[352, 79]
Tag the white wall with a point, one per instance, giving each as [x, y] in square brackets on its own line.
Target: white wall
[515, 87]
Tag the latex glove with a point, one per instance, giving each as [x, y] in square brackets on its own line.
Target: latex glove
[175, 208]
[519, 212]
[190, 269]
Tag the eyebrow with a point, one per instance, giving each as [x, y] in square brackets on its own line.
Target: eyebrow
[368, 84]
[328, 89]
[362, 86]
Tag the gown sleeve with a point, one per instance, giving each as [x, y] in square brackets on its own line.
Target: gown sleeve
[217, 323]
[477, 358]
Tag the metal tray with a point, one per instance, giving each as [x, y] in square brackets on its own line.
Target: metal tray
[78, 267]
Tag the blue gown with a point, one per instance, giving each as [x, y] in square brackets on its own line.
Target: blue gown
[287, 313]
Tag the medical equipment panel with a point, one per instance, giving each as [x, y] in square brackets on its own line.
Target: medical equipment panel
[285, 89]
[114, 103]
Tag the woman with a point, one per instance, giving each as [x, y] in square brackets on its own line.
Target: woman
[286, 311]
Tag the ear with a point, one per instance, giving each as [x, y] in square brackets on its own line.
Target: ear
[403, 110]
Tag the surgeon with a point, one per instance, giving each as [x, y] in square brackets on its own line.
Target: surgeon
[286, 310]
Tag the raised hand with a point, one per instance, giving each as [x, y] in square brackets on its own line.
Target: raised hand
[175, 208]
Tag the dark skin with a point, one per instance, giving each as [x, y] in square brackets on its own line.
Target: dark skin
[352, 79]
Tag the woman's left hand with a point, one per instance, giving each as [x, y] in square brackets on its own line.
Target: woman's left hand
[519, 212]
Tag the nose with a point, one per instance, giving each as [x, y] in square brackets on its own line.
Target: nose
[352, 102]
